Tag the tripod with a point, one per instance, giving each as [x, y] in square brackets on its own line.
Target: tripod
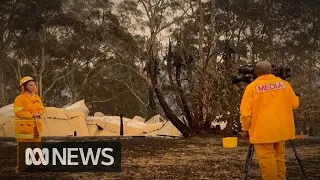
[250, 154]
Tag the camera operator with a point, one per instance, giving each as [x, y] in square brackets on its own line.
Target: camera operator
[267, 119]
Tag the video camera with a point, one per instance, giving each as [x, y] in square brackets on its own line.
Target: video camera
[247, 75]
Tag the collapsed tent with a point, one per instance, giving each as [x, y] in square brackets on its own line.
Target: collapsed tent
[74, 120]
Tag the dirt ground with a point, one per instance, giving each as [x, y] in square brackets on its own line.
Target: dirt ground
[169, 158]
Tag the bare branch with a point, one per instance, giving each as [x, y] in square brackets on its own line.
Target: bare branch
[146, 9]
[101, 101]
[131, 90]
[56, 80]
[14, 68]
[34, 69]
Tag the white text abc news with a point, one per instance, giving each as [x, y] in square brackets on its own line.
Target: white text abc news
[66, 157]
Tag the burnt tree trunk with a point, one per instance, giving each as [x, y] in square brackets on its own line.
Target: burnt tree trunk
[181, 126]
[152, 74]
[186, 109]
[170, 62]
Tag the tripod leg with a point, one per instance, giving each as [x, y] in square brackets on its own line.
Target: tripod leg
[298, 159]
[248, 161]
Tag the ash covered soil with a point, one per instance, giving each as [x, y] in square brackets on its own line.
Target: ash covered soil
[169, 158]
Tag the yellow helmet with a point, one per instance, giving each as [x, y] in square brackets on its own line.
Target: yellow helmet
[25, 79]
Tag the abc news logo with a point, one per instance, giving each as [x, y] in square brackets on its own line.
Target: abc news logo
[70, 157]
[67, 156]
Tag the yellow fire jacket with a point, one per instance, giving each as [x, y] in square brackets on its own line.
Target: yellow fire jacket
[24, 107]
[267, 110]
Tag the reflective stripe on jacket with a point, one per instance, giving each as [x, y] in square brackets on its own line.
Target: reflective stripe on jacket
[24, 106]
[24, 129]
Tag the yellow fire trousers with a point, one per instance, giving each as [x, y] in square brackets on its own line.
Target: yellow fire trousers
[36, 138]
[271, 160]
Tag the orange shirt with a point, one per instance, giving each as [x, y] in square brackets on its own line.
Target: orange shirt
[267, 110]
[25, 105]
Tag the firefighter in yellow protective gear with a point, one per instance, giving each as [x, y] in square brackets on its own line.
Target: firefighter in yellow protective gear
[267, 119]
[28, 109]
